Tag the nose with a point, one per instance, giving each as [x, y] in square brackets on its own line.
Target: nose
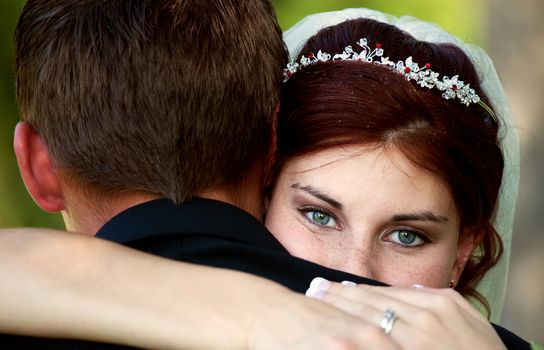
[357, 261]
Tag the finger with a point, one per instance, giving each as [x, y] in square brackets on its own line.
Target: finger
[359, 299]
[441, 300]
[423, 315]
[455, 296]
[369, 336]
[369, 303]
[404, 332]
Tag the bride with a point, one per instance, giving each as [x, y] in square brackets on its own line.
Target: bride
[385, 174]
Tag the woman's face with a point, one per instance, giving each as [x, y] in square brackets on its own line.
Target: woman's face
[369, 212]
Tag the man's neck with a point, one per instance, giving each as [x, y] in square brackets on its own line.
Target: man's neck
[246, 193]
[87, 215]
[249, 201]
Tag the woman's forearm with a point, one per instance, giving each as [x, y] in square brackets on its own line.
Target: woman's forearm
[62, 284]
[65, 285]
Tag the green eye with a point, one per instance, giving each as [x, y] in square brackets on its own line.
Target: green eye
[319, 217]
[406, 238]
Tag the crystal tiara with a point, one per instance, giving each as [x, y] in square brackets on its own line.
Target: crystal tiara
[452, 88]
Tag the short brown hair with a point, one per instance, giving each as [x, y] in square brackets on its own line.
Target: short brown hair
[163, 96]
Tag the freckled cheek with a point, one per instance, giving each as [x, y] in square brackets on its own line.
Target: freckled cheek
[289, 231]
[303, 246]
[405, 271]
[435, 275]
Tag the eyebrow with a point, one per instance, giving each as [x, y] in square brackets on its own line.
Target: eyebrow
[316, 193]
[423, 216]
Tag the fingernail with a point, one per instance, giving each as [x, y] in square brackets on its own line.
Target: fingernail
[318, 288]
[417, 286]
[349, 283]
[320, 294]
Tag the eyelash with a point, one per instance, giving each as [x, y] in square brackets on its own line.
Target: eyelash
[306, 211]
[424, 239]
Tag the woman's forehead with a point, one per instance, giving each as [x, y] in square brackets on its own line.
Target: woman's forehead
[357, 175]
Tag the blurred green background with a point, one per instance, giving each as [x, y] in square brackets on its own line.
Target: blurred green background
[513, 36]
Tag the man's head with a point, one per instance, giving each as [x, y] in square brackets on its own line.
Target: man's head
[167, 97]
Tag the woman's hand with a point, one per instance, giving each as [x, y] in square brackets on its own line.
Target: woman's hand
[296, 322]
[426, 318]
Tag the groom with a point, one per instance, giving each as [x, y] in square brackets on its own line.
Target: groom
[150, 123]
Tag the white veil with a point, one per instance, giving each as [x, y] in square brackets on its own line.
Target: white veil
[493, 285]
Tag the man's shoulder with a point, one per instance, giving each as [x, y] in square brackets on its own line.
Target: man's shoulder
[510, 339]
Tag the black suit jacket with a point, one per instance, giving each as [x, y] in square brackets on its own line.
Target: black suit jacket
[213, 233]
[217, 234]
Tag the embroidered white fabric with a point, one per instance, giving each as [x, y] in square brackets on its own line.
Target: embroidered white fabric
[493, 285]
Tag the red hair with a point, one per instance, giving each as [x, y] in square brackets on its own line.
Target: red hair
[338, 103]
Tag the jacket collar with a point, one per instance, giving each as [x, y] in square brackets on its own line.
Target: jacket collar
[162, 217]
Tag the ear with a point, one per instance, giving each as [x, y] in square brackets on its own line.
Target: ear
[468, 241]
[37, 168]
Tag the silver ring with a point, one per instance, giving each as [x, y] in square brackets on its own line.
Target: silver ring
[388, 320]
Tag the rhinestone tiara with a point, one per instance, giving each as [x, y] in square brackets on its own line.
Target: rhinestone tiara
[452, 88]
